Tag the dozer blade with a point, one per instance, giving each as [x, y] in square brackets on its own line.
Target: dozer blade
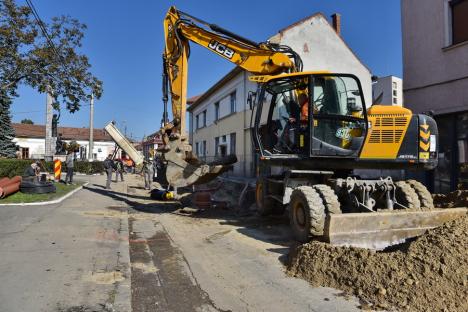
[378, 230]
[184, 169]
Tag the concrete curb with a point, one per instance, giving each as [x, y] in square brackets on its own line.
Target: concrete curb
[50, 202]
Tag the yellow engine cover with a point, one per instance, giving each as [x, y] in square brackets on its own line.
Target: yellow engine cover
[387, 129]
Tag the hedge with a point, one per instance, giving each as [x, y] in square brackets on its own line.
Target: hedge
[14, 167]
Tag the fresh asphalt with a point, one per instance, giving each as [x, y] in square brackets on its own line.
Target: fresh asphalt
[118, 250]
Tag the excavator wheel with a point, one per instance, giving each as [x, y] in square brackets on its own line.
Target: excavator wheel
[407, 196]
[329, 198]
[265, 205]
[306, 213]
[425, 198]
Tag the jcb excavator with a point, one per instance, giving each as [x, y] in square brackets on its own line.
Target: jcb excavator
[310, 131]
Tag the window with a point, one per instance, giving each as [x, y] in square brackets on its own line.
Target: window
[394, 84]
[24, 152]
[197, 121]
[197, 148]
[233, 101]
[459, 10]
[395, 100]
[394, 93]
[203, 148]
[216, 146]
[216, 106]
[232, 143]
[204, 118]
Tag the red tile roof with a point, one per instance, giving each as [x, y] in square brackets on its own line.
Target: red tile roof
[68, 133]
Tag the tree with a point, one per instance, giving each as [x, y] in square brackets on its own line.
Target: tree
[7, 134]
[27, 121]
[28, 57]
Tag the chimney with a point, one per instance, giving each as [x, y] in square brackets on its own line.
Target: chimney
[336, 20]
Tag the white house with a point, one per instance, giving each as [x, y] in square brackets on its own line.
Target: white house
[220, 118]
[391, 90]
[31, 141]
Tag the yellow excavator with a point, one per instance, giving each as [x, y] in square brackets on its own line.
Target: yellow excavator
[310, 130]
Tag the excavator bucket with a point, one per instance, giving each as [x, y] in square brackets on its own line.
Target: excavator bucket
[382, 229]
[184, 169]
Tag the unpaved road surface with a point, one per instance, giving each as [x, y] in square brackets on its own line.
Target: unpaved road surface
[119, 251]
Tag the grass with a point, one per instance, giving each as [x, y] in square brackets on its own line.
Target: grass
[19, 197]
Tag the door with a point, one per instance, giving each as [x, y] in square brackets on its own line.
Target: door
[338, 116]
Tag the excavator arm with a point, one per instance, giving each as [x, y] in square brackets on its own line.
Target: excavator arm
[183, 168]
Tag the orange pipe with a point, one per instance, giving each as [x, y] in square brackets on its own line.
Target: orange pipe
[4, 181]
[15, 179]
[9, 189]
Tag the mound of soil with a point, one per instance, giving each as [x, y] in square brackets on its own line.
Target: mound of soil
[454, 199]
[428, 274]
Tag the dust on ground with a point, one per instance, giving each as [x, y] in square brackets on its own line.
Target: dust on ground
[428, 274]
[457, 198]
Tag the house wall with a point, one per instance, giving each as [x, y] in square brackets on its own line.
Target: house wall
[321, 48]
[37, 147]
[228, 123]
[385, 86]
[435, 74]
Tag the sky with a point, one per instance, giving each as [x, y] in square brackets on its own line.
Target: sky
[125, 40]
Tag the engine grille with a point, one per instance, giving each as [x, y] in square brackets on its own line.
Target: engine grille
[387, 129]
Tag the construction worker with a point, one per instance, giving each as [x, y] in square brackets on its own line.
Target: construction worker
[119, 170]
[108, 167]
[33, 170]
[70, 162]
[148, 172]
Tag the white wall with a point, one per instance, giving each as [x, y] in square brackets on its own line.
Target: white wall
[322, 49]
[385, 86]
[37, 147]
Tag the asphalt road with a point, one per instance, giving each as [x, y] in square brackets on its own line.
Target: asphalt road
[119, 251]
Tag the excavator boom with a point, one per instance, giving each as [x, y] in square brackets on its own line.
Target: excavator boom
[183, 168]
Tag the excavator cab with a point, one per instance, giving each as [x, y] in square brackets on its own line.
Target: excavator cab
[316, 115]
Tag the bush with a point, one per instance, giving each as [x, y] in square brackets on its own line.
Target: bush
[14, 167]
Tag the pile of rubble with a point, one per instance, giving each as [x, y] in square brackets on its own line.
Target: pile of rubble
[454, 199]
[428, 274]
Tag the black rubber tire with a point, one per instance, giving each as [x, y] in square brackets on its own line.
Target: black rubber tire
[329, 198]
[266, 206]
[37, 188]
[425, 197]
[407, 196]
[306, 214]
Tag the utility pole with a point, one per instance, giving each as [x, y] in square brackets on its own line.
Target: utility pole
[49, 141]
[91, 128]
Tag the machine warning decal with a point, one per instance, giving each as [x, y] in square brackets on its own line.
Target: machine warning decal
[221, 49]
[343, 133]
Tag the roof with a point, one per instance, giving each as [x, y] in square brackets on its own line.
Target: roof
[193, 99]
[68, 133]
[234, 72]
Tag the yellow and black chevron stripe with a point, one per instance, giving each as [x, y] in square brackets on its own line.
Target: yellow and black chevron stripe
[424, 141]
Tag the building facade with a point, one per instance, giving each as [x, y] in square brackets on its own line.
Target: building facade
[30, 140]
[390, 88]
[435, 73]
[220, 118]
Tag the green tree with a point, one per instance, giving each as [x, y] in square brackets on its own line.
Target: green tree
[7, 134]
[27, 121]
[27, 57]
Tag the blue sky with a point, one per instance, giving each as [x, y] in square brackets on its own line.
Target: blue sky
[124, 42]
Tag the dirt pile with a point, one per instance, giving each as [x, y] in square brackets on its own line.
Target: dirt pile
[454, 199]
[429, 274]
